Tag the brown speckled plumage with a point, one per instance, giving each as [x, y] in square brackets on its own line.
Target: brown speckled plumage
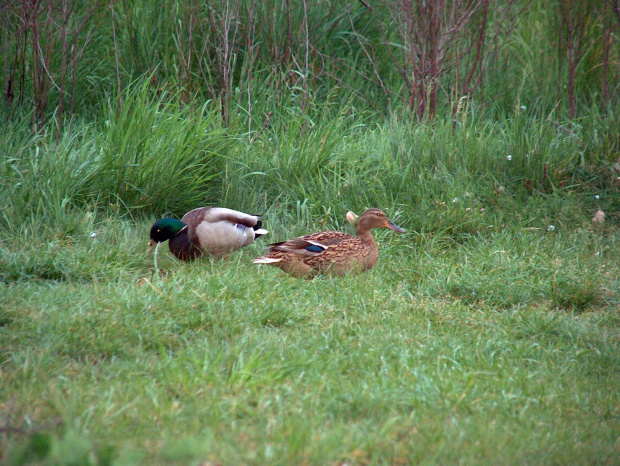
[330, 252]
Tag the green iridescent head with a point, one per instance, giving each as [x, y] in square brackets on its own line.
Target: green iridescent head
[164, 229]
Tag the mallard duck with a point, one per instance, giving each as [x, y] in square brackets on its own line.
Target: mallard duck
[331, 252]
[214, 231]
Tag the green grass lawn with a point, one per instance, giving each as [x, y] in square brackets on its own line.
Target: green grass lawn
[493, 348]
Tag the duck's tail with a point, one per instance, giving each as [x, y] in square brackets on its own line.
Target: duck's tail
[267, 260]
[258, 231]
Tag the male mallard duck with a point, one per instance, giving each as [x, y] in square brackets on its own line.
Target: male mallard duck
[214, 231]
[331, 252]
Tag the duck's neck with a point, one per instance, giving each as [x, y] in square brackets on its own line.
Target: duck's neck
[365, 236]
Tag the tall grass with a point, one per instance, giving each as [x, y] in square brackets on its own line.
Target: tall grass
[157, 155]
[146, 155]
[151, 155]
[469, 178]
[217, 51]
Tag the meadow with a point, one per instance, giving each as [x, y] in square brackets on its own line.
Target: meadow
[488, 333]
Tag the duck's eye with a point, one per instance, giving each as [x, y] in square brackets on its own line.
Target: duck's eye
[159, 230]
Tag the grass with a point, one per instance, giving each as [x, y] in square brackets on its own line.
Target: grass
[134, 160]
[498, 348]
[488, 333]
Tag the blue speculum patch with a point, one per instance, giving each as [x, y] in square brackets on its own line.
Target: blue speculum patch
[314, 248]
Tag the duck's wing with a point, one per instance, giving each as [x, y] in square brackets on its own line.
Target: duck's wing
[220, 214]
[311, 245]
[213, 215]
[328, 238]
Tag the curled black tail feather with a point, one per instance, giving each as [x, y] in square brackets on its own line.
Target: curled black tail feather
[257, 227]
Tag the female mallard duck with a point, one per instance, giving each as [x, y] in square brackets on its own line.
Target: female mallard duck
[331, 252]
[214, 231]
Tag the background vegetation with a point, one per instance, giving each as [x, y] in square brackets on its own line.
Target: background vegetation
[488, 129]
